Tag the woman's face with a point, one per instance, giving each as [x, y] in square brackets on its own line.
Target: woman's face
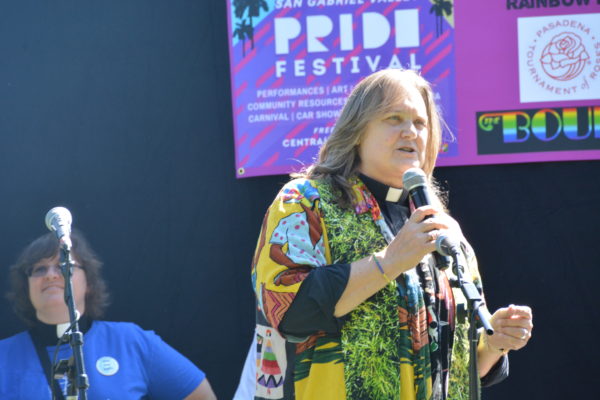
[396, 141]
[46, 291]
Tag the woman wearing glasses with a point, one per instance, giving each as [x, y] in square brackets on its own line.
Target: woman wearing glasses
[122, 361]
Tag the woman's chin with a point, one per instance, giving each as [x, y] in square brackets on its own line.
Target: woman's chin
[54, 305]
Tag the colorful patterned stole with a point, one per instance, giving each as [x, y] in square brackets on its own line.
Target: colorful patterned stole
[385, 342]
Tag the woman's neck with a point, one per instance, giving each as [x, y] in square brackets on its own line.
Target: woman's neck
[48, 334]
[55, 317]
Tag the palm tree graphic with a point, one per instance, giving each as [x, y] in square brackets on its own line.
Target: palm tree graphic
[242, 32]
[440, 7]
[253, 7]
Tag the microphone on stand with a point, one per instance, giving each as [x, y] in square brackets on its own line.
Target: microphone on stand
[447, 248]
[59, 220]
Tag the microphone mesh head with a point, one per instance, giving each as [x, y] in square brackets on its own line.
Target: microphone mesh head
[414, 177]
[62, 214]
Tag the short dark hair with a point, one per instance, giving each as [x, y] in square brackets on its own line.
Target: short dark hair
[47, 246]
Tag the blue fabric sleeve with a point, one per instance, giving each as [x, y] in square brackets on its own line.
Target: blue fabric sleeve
[170, 375]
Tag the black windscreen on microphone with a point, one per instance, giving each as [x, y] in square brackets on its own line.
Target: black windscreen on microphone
[414, 181]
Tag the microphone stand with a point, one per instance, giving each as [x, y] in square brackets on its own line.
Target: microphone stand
[77, 378]
[475, 313]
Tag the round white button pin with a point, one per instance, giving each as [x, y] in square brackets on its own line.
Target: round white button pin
[107, 366]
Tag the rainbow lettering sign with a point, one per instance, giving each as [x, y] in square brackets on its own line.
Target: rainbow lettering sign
[293, 63]
[538, 130]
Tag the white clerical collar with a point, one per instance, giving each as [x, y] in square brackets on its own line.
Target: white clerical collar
[62, 328]
[393, 194]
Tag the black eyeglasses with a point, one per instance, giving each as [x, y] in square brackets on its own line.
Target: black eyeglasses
[42, 270]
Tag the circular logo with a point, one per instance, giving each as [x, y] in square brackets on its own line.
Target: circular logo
[107, 366]
[564, 56]
[556, 58]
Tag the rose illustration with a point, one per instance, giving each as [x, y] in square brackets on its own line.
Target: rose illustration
[564, 57]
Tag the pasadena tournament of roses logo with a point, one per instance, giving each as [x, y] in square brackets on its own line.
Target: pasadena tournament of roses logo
[559, 57]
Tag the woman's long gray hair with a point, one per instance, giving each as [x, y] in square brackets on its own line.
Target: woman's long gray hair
[338, 158]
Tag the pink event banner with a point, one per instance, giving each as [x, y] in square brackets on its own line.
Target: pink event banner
[294, 62]
[528, 81]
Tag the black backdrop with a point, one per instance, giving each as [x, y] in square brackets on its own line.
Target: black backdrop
[120, 111]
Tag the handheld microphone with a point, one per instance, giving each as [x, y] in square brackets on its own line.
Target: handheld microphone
[447, 248]
[415, 181]
[58, 220]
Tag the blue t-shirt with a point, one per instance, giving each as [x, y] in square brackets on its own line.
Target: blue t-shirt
[122, 362]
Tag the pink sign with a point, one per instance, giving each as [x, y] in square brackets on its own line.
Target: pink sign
[528, 81]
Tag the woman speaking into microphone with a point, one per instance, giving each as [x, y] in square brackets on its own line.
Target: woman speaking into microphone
[350, 303]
